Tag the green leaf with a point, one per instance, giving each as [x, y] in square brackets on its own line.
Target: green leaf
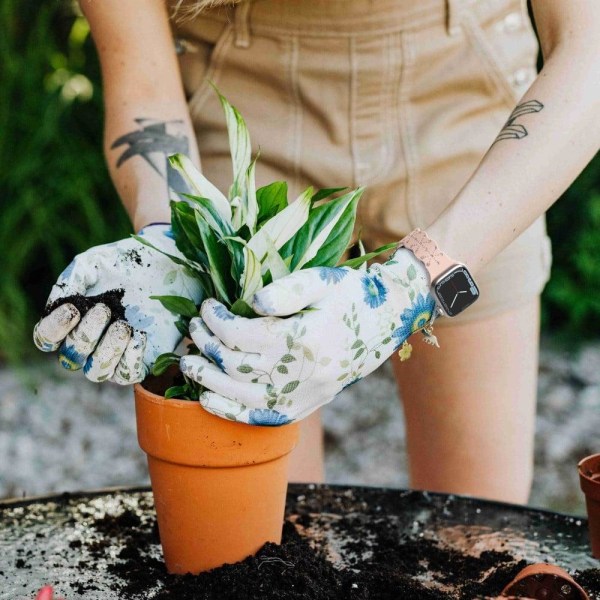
[215, 221]
[358, 353]
[359, 260]
[305, 244]
[239, 145]
[243, 309]
[183, 326]
[288, 358]
[343, 376]
[230, 416]
[325, 193]
[338, 239]
[271, 403]
[176, 390]
[222, 228]
[199, 185]
[412, 272]
[178, 305]
[282, 369]
[185, 232]
[249, 199]
[289, 341]
[164, 361]
[290, 387]
[219, 261]
[274, 263]
[282, 226]
[324, 237]
[357, 344]
[245, 369]
[271, 200]
[251, 280]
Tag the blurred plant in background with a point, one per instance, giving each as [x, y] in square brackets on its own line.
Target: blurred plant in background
[57, 198]
[56, 195]
[571, 299]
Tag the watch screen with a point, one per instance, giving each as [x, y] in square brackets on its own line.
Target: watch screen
[456, 291]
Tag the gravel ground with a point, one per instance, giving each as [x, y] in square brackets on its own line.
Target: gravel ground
[58, 432]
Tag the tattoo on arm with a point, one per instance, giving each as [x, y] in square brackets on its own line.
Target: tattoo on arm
[155, 141]
[516, 131]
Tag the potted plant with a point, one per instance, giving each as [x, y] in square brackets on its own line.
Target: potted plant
[219, 484]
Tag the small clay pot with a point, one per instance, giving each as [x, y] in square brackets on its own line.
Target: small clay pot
[589, 479]
[219, 486]
[544, 582]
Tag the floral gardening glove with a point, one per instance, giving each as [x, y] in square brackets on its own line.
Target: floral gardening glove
[100, 316]
[271, 371]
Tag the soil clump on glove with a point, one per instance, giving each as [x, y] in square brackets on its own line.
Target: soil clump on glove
[113, 299]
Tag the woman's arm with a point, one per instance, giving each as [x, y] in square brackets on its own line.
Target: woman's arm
[550, 137]
[146, 114]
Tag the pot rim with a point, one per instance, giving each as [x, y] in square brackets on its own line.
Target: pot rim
[545, 569]
[589, 486]
[183, 432]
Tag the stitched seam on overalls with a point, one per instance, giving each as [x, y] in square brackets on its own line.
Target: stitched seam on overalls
[213, 72]
[242, 24]
[296, 144]
[352, 119]
[387, 93]
[495, 73]
[407, 131]
[312, 31]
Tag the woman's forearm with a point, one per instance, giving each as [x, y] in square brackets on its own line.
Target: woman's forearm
[145, 109]
[138, 142]
[550, 137]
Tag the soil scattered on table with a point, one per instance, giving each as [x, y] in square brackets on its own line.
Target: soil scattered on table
[395, 566]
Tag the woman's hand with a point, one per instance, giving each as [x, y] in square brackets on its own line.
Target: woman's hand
[104, 320]
[272, 370]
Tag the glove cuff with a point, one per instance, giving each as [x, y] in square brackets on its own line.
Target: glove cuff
[151, 225]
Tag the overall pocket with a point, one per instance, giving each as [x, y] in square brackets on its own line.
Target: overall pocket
[504, 41]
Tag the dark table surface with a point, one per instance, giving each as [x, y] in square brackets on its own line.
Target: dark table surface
[42, 540]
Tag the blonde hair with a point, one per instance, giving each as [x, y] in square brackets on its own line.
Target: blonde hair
[182, 10]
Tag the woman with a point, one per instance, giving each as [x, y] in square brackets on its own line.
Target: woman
[435, 106]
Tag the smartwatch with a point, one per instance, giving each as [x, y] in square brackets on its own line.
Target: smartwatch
[452, 286]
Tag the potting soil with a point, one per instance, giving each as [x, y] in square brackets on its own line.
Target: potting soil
[346, 543]
[112, 299]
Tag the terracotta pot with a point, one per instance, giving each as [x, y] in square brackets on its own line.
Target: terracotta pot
[589, 479]
[219, 486]
[544, 582]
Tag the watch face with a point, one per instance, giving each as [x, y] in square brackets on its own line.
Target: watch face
[456, 290]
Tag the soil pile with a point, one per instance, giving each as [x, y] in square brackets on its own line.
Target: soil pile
[393, 567]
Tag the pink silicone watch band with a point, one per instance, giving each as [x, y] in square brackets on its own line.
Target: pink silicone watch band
[426, 250]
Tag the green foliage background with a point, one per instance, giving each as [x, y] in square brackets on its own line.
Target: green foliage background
[57, 199]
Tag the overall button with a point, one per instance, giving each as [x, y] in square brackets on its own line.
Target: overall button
[511, 22]
[522, 76]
